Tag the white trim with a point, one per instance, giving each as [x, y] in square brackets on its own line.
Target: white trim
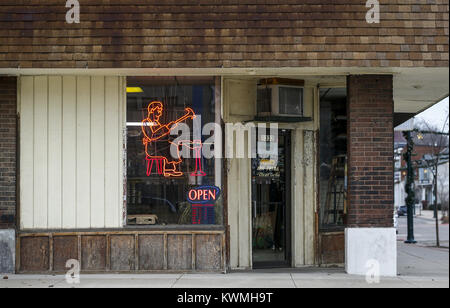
[253, 72]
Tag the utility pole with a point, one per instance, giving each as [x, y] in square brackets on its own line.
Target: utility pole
[409, 187]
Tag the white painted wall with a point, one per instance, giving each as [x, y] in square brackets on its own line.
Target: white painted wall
[71, 151]
[371, 251]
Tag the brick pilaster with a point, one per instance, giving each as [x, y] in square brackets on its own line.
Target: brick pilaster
[370, 148]
[8, 130]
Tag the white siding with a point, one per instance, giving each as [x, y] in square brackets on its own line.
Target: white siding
[54, 152]
[112, 157]
[71, 152]
[40, 137]
[26, 151]
[83, 157]
[98, 151]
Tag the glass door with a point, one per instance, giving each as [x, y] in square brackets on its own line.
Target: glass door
[271, 203]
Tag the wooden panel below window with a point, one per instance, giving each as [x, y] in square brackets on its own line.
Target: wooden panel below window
[179, 249]
[122, 251]
[332, 246]
[151, 252]
[93, 253]
[64, 249]
[34, 254]
[208, 250]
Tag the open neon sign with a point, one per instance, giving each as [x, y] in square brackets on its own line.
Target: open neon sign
[154, 131]
[202, 200]
[203, 194]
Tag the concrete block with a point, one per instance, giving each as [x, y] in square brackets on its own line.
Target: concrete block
[365, 247]
[7, 251]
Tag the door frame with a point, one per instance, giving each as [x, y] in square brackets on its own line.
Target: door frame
[287, 134]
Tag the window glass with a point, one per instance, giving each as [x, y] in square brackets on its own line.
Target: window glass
[333, 158]
[291, 101]
[172, 177]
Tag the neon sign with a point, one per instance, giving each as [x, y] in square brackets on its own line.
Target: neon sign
[203, 194]
[155, 132]
[202, 200]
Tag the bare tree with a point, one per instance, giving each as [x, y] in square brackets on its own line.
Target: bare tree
[438, 141]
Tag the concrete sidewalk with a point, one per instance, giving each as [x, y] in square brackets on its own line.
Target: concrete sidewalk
[418, 267]
[427, 214]
[424, 230]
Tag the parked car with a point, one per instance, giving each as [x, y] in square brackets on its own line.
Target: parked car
[402, 211]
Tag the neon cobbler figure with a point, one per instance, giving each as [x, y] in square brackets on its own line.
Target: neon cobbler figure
[155, 132]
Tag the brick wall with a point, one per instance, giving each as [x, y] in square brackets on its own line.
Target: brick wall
[8, 111]
[370, 147]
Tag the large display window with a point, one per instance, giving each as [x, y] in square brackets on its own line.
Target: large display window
[173, 170]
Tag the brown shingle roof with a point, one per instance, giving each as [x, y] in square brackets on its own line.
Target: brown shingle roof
[226, 33]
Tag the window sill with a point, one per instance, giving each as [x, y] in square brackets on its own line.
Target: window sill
[156, 228]
[175, 228]
[330, 229]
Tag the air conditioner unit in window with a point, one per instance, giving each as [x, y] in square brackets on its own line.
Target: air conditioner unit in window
[276, 99]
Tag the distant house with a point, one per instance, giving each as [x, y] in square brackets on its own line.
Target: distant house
[443, 181]
[399, 174]
[425, 147]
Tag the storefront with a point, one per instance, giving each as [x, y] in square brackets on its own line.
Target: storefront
[156, 147]
[145, 173]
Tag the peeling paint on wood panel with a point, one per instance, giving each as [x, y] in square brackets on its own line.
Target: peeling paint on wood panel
[332, 248]
[34, 254]
[308, 148]
[151, 252]
[309, 198]
[93, 253]
[297, 202]
[179, 252]
[122, 253]
[64, 248]
[125, 251]
[208, 252]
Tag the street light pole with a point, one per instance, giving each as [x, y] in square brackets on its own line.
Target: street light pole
[408, 187]
[436, 213]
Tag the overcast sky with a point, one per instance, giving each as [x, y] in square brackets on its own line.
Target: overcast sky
[436, 115]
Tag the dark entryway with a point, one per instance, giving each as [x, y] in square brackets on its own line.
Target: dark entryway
[271, 204]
